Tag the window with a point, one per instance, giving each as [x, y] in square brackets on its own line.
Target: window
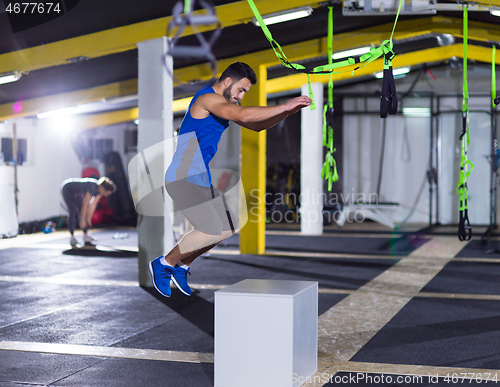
[7, 151]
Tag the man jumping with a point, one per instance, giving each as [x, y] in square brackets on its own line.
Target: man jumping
[188, 180]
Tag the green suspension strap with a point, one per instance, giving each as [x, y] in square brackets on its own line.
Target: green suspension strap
[464, 228]
[329, 171]
[495, 101]
[385, 50]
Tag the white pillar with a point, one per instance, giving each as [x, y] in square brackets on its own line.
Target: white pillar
[311, 163]
[155, 140]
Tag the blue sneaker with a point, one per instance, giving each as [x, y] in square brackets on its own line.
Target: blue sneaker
[180, 280]
[161, 275]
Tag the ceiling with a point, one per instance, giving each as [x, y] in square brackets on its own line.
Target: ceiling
[88, 54]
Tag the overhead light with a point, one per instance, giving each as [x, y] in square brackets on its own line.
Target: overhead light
[121, 99]
[417, 111]
[495, 12]
[10, 77]
[284, 16]
[58, 112]
[78, 109]
[350, 53]
[395, 72]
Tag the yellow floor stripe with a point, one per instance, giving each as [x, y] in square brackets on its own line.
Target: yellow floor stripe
[66, 246]
[306, 254]
[94, 282]
[462, 296]
[488, 260]
[341, 234]
[128, 353]
[68, 281]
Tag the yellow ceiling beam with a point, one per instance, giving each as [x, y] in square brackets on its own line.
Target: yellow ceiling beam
[36, 105]
[437, 54]
[314, 48]
[409, 59]
[372, 36]
[489, 3]
[295, 52]
[92, 121]
[125, 38]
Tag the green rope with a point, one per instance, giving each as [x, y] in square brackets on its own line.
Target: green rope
[375, 53]
[187, 6]
[465, 165]
[329, 170]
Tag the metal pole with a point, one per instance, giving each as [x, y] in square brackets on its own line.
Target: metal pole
[14, 160]
[438, 153]
[494, 174]
[431, 196]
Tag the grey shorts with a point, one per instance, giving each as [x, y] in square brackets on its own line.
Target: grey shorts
[204, 207]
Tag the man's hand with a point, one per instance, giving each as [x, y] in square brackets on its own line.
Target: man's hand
[293, 105]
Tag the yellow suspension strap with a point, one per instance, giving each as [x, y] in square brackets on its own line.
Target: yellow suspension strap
[464, 228]
[329, 170]
[375, 53]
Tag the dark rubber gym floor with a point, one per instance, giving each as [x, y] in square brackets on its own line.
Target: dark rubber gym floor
[79, 318]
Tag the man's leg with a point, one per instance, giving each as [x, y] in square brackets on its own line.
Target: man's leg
[196, 205]
[164, 269]
[188, 260]
[190, 243]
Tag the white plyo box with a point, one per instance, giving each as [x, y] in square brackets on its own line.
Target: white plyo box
[266, 333]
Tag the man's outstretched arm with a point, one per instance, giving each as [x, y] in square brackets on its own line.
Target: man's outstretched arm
[256, 118]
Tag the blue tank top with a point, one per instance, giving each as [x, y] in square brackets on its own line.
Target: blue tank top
[197, 144]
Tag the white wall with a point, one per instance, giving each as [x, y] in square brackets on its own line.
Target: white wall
[405, 162]
[402, 178]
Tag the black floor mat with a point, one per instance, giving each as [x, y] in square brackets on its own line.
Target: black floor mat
[476, 249]
[466, 277]
[439, 332]
[335, 273]
[398, 246]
